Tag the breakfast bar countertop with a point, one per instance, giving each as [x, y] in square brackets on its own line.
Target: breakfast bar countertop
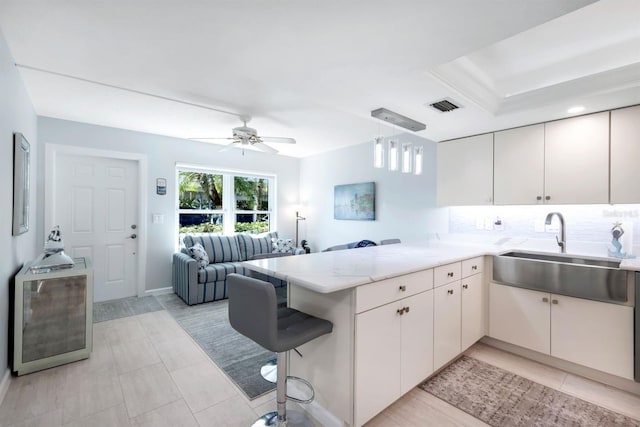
[333, 271]
[327, 272]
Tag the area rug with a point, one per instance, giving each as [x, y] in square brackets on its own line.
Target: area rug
[239, 357]
[125, 307]
[500, 398]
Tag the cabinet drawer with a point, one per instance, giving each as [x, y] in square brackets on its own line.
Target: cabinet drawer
[386, 291]
[472, 266]
[447, 274]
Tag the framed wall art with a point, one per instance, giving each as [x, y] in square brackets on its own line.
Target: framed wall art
[355, 201]
[21, 170]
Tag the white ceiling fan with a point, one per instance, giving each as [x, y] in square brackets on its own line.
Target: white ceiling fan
[244, 136]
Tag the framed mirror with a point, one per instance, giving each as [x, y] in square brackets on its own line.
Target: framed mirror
[21, 162]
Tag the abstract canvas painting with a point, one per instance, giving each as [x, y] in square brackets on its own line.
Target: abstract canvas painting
[355, 201]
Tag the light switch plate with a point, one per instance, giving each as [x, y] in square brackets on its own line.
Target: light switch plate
[158, 219]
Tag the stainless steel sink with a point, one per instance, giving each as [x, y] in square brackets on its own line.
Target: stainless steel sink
[564, 258]
[582, 277]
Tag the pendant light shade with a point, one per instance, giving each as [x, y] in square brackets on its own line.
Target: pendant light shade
[418, 160]
[378, 152]
[393, 155]
[407, 155]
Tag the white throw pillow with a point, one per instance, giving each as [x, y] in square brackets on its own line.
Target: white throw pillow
[282, 246]
[198, 253]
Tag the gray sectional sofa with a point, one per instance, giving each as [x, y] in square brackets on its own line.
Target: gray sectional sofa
[226, 253]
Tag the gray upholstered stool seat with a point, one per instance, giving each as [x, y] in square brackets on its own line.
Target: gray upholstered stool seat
[254, 312]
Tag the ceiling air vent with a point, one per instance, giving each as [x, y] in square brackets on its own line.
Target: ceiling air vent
[444, 105]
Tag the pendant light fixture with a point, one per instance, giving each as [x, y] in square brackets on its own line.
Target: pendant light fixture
[407, 154]
[378, 152]
[418, 160]
[393, 155]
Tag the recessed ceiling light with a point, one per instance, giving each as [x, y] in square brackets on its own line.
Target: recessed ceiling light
[575, 110]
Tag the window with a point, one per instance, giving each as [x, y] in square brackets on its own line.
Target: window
[223, 202]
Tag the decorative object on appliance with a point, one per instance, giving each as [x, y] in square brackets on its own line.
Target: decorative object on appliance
[53, 257]
[244, 136]
[617, 232]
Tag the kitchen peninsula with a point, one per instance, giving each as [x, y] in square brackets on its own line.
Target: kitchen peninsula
[400, 313]
[382, 302]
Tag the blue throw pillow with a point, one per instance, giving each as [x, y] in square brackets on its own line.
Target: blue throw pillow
[364, 244]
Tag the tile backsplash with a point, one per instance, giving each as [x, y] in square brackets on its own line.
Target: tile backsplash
[584, 223]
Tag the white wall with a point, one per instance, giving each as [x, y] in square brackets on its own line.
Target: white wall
[405, 204]
[16, 115]
[162, 154]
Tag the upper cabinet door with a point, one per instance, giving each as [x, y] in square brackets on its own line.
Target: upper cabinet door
[519, 166]
[625, 152]
[465, 171]
[577, 160]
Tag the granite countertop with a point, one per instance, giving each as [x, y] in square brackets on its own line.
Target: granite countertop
[333, 271]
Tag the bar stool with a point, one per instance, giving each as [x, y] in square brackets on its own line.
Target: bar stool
[254, 312]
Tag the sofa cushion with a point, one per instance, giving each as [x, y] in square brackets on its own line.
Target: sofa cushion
[219, 271]
[218, 248]
[282, 245]
[260, 244]
[198, 253]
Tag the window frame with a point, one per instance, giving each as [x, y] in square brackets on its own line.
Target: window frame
[228, 210]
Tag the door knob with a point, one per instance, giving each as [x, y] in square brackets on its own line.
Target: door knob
[133, 236]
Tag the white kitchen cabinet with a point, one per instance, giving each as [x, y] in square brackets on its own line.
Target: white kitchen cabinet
[625, 152]
[416, 361]
[577, 160]
[472, 321]
[520, 316]
[518, 177]
[594, 334]
[394, 352]
[446, 323]
[377, 360]
[465, 171]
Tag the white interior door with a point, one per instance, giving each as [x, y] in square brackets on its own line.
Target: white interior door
[95, 204]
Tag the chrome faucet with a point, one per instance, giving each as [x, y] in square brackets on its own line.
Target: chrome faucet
[562, 242]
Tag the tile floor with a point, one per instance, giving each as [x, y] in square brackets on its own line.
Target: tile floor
[146, 371]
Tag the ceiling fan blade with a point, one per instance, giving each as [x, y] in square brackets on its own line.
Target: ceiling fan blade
[278, 139]
[211, 139]
[228, 146]
[263, 147]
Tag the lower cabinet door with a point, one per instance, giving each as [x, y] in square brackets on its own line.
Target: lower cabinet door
[377, 360]
[472, 311]
[594, 334]
[520, 316]
[446, 323]
[417, 340]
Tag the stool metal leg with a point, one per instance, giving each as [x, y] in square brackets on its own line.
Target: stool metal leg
[281, 418]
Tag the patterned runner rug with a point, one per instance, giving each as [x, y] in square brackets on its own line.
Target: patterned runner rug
[500, 398]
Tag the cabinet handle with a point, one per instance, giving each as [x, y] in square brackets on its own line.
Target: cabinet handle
[400, 311]
[539, 198]
[465, 286]
[402, 288]
[450, 291]
[547, 198]
[474, 267]
[450, 274]
[545, 299]
[554, 301]
[406, 309]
